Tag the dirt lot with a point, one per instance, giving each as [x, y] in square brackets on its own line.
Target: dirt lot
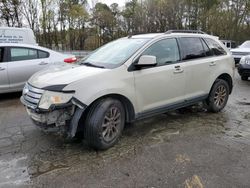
[191, 148]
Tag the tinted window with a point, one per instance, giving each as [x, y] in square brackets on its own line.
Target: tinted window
[207, 51]
[18, 54]
[1, 54]
[233, 45]
[191, 48]
[42, 54]
[166, 51]
[215, 47]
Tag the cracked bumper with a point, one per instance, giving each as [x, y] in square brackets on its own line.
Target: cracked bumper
[56, 117]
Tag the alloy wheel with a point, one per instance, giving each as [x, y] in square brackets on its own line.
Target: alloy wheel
[111, 124]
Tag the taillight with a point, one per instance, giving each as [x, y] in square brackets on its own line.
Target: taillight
[70, 60]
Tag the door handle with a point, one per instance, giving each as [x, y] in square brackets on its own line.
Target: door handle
[43, 63]
[178, 69]
[2, 69]
[212, 64]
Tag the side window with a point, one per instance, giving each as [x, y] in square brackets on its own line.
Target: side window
[191, 48]
[19, 54]
[42, 54]
[215, 47]
[233, 45]
[207, 51]
[166, 51]
[1, 54]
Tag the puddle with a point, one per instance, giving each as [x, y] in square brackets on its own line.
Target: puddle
[14, 172]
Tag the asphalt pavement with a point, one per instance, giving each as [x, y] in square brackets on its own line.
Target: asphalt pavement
[186, 148]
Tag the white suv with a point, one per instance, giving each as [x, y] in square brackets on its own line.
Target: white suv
[129, 79]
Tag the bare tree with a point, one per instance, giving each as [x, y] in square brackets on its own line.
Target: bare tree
[30, 10]
[10, 12]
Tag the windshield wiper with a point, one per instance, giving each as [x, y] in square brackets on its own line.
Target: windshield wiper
[92, 65]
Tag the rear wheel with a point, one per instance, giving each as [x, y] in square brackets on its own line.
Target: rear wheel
[218, 96]
[244, 77]
[104, 123]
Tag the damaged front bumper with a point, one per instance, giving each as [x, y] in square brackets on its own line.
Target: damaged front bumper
[58, 117]
[63, 116]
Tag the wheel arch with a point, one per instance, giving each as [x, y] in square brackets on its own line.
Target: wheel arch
[228, 79]
[128, 106]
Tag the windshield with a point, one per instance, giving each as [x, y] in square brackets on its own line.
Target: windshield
[114, 53]
[245, 45]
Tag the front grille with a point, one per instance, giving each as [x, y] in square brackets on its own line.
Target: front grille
[241, 53]
[32, 95]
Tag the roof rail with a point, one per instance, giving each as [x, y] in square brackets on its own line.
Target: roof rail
[185, 31]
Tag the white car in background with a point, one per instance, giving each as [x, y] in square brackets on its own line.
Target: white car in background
[242, 50]
[18, 62]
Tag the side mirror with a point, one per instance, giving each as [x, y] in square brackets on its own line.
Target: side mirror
[146, 60]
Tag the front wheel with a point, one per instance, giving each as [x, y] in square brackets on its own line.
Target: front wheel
[218, 96]
[104, 123]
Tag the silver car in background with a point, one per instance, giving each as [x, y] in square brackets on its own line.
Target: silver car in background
[18, 62]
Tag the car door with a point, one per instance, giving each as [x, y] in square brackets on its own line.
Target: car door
[4, 81]
[23, 63]
[197, 66]
[218, 59]
[162, 85]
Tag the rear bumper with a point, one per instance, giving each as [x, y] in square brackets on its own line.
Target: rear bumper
[244, 70]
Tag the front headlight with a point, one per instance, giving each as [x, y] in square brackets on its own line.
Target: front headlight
[54, 98]
[245, 60]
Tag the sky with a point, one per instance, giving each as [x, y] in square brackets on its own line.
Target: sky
[121, 3]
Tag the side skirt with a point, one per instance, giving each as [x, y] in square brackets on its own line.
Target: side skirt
[169, 107]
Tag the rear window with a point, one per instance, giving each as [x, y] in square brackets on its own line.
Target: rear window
[215, 47]
[19, 54]
[191, 48]
[42, 54]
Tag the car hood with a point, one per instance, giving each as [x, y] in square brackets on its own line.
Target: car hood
[240, 50]
[62, 75]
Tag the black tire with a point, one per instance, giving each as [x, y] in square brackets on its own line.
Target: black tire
[244, 78]
[100, 123]
[217, 100]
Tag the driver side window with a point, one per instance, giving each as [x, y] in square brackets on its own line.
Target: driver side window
[166, 51]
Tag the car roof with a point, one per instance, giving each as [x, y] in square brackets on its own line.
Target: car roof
[148, 35]
[227, 40]
[159, 35]
[23, 45]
